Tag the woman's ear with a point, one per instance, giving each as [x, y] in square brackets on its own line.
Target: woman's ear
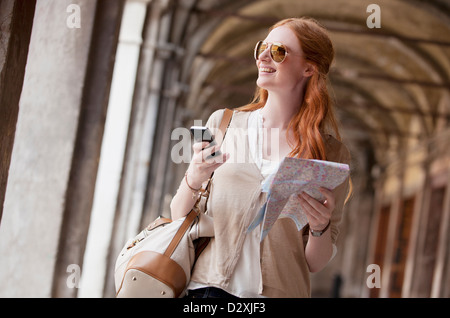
[309, 70]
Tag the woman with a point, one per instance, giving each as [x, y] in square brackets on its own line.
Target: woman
[293, 105]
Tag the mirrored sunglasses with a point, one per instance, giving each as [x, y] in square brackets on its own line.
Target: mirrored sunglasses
[277, 51]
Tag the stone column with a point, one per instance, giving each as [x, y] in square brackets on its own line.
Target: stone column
[82, 181]
[114, 143]
[16, 21]
[43, 148]
[127, 221]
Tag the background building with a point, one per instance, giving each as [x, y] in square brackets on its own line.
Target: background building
[91, 90]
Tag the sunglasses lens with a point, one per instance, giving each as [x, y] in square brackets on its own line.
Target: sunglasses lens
[260, 47]
[278, 52]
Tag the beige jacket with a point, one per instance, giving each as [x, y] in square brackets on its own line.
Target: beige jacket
[235, 199]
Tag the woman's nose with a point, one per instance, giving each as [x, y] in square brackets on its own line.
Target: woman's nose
[265, 55]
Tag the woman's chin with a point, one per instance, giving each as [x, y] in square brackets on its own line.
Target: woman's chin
[264, 83]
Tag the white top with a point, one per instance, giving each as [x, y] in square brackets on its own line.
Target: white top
[246, 280]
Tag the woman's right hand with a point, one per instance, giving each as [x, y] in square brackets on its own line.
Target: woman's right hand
[201, 166]
[199, 171]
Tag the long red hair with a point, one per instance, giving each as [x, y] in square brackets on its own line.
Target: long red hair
[315, 114]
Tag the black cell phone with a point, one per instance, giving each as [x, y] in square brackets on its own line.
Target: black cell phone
[202, 133]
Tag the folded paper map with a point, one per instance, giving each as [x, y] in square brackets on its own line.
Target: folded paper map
[293, 177]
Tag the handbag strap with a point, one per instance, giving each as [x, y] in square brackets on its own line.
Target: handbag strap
[226, 119]
[190, 217]
[180, 233]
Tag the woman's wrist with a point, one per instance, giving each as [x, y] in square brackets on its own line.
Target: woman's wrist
[319, 231]
[192, 181]
[320, 228]
[194, 188]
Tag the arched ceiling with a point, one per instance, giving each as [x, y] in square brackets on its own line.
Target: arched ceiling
[390, 85]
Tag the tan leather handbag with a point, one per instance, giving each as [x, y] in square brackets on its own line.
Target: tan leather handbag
[159, 260]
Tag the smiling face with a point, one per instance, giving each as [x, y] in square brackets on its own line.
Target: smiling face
[292, 73]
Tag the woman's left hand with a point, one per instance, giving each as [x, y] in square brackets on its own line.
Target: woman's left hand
[318, 213]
